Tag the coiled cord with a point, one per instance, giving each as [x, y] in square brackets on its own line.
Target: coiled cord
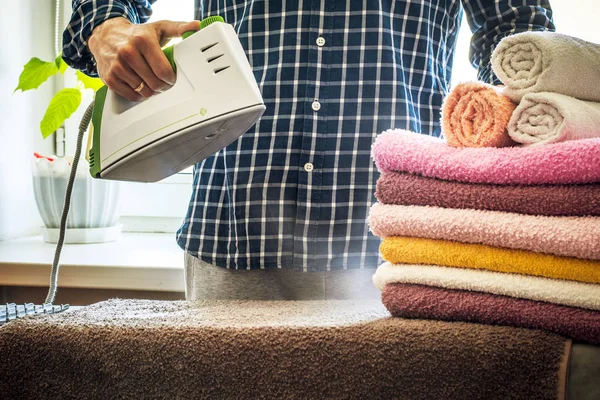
[83, 125]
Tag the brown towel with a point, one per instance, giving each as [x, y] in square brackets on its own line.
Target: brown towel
[552, 200]
[428, 302]
[273, 350]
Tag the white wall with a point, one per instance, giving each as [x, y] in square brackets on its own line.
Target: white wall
[26, 29]
[577, 18]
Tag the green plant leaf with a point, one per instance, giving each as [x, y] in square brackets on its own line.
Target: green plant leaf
[62, 106]
[89, 83]
[35, 72]
[61, 64]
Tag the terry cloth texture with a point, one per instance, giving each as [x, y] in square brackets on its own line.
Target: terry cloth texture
[476, 114]
[273, 350]
[426, 302]
[563, 236]
[558, 200]
[548, 62]
[557, 291]
[409, 250]
[543, 118]
[570, 162]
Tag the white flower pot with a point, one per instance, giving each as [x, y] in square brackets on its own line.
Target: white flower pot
[95, 203]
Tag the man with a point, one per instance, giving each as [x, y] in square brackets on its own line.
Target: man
[281, 213]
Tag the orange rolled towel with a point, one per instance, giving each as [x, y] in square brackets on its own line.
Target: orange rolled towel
[476, 114]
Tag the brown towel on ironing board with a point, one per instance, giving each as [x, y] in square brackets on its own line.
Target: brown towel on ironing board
[273, 350]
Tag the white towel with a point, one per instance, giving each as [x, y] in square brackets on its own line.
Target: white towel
[543, 118]
[531, 62]
[557, 291]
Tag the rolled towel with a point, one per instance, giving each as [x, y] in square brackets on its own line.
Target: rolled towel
[543, 118]
[556, 291]
[570, 162]
[476, 114]
[532, 62]
[562, 236]
[567, 200]
[407, 250]
[427, 302]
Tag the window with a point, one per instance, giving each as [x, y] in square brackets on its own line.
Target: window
[155, 207]
[161, 206]
[462, 70]
[173, 10]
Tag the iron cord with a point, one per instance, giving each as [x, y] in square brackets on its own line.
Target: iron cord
[83, 125]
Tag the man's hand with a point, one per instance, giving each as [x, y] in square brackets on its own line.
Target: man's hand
[128, 55]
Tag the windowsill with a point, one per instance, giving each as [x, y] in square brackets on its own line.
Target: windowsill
[137, 261]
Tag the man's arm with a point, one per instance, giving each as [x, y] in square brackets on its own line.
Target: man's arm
[109, 39]
[491, 21]
[87, 14]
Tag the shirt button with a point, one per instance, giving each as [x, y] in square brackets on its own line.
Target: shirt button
[308, 167]
[316, 105]
[320, 41]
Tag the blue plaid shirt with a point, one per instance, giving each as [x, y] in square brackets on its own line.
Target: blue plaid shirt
[295, 190]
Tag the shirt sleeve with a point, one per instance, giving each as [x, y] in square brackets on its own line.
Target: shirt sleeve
[87, 14]
[491, 21]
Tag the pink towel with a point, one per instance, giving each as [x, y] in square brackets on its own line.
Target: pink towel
[570, 162]
[563, 236]
[427, 302]
[568, 200]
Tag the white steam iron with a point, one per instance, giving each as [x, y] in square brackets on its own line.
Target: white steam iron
[215, 100]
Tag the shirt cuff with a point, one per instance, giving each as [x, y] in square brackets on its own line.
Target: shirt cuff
[76, 53]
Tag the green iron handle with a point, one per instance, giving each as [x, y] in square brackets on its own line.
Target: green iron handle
[168, 51]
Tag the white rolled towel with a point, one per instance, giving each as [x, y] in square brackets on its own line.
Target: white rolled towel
[542, 118]
[532, 62]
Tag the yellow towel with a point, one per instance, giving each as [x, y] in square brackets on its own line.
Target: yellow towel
[408, 250]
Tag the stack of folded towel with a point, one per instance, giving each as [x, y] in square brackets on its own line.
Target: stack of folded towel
[489, 227]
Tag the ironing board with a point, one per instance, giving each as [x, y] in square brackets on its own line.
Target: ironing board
[311, 349]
